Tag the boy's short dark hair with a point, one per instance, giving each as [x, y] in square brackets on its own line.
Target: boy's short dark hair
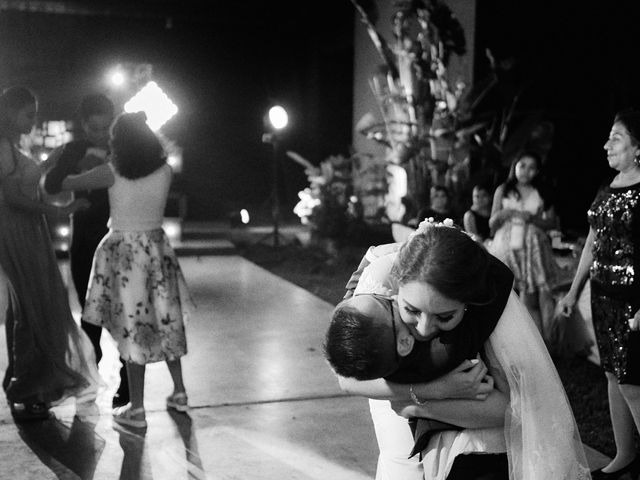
[95, 104]
[355, 345]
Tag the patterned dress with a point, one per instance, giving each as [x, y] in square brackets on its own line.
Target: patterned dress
[531, 259]
[614, 217]
[137, 290]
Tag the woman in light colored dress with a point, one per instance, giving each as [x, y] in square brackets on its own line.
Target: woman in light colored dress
[521, 215]
[50, 357]
[137, 290]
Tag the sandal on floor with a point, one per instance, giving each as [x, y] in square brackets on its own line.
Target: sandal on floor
[178, 401]
[130, 417]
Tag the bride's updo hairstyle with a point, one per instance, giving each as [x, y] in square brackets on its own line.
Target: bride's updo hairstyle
[450, 261]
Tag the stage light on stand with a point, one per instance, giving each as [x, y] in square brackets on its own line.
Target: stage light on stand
[276, 120]
[278, 117]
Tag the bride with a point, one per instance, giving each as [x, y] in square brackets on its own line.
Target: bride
[441, 273]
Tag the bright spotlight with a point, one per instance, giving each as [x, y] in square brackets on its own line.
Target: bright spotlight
[174, 159]
[117, 78]
[172, 228]
[63, 231]
[152, 100]
[278, 117]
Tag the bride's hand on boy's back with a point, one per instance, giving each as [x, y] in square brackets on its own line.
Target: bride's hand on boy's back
[469, 380]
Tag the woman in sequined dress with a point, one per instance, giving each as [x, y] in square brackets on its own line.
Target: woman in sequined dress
[611, 258]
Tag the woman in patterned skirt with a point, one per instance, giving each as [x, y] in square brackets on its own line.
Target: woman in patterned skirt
[137, 290]
[611, 257]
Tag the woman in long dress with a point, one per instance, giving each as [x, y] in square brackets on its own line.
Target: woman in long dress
[521, 215]
[50, 357]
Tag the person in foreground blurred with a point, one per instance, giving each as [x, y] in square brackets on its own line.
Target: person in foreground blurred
[137, 290]
[610, 259]
[50, 357]
[89, 226]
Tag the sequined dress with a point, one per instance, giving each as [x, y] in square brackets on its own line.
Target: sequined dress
[614, 217]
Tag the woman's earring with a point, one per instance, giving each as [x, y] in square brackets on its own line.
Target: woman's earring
[636, 160]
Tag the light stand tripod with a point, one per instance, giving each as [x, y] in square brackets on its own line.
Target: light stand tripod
[274, 238]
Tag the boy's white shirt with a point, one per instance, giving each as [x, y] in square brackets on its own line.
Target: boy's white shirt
[376, 277]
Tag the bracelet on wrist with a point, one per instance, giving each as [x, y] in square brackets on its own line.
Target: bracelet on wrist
[414, 397]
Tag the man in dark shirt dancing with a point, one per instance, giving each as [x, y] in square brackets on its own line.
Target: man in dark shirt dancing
[88, 226]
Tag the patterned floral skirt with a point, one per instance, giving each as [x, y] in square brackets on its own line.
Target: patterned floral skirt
[533, 264]
[138, 293]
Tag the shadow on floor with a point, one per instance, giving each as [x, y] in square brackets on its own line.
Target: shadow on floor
[62, 447]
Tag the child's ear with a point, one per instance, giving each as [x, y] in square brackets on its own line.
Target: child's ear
[405, 343]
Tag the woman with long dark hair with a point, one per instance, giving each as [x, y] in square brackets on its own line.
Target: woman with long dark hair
[521, 215]
[50, 357]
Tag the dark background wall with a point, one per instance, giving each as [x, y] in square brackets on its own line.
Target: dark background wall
[580, 65]
[223, 65]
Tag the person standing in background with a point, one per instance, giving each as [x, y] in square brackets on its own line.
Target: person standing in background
[88, 226]
[521, 215]
[610, 260]
[476, 219]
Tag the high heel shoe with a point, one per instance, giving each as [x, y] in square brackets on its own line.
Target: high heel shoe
[633, 468]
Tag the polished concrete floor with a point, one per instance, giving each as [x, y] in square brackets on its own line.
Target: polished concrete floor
[265, 404]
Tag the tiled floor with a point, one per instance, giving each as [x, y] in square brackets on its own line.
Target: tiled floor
[265, 404]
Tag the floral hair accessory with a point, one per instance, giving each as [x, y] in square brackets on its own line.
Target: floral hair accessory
[431, 223]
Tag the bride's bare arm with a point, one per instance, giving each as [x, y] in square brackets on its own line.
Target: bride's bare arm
[469, 380]
[465, 413]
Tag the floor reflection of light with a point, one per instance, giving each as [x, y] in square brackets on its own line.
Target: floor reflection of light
[229, 445]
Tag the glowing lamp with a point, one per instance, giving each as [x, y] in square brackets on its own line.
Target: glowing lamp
[278, 117]
[117, 78]
[174, 159]
[173, 228]
[63, 231]
[152, 100]
[239, 218]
